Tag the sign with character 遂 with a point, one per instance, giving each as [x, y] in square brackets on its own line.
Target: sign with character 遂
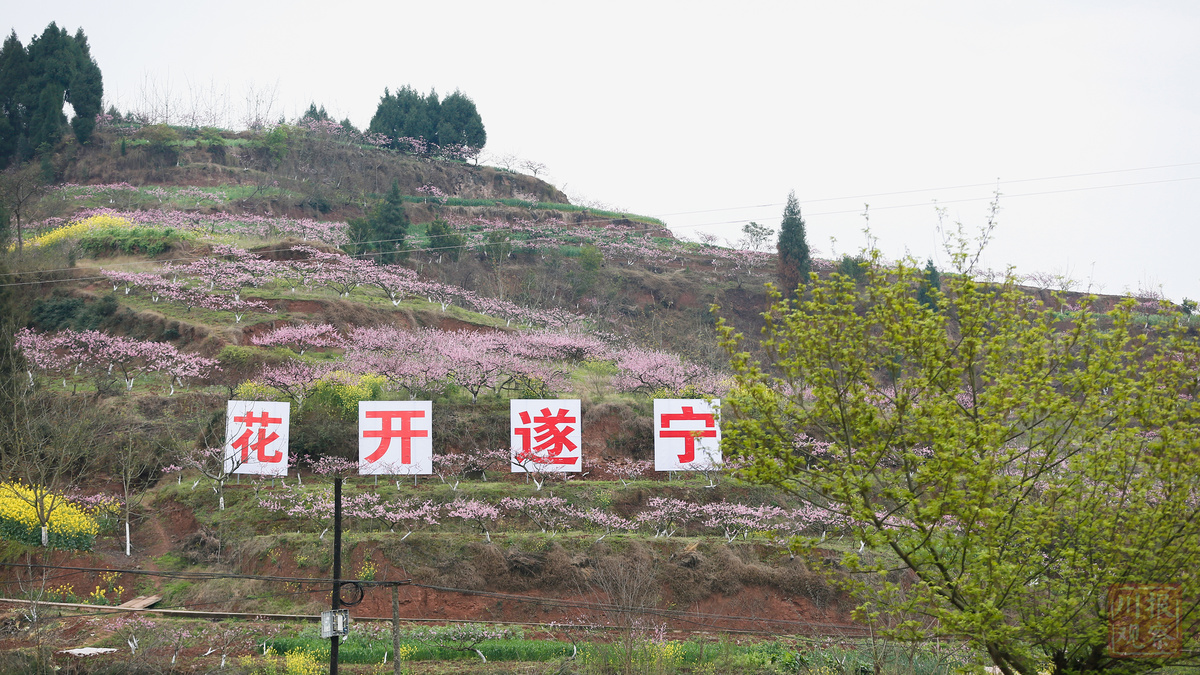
[686, 434]
[546, 435]
[256, 437]
[395, 437]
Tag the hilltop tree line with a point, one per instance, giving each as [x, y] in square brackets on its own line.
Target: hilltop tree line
[36, 81]
[408, 114]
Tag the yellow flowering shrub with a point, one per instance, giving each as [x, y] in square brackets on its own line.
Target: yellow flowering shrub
[79, 228]
[341, 391]
[69, 527]
[302, 662]
[367, 570]
[252, 390]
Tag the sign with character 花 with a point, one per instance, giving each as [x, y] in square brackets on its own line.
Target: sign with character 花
[256, 437]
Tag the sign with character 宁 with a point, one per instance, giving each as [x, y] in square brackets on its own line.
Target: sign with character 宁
[546, 435]
[256, 437]
[395, 437]
[686, 434]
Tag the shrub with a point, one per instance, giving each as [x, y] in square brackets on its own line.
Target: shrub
[149, 241]
[79, 229]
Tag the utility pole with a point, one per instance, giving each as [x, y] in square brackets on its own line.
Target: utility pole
[337, 568]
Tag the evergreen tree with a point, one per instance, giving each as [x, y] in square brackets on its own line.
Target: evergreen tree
[443, 240]
[56, 68]
[407, 114]
[85, 92]
[315, 114]
[930, 280]
[14, 74]
[461, 122]
[794, 260]
[389, 226]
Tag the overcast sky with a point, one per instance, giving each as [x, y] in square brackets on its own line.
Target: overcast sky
[707, 114]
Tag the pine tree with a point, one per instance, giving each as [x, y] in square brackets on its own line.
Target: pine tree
[794, 260]
[56, 68]
[931, 280]
[389, 227]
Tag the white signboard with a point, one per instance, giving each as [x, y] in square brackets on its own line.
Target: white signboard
[546, 435]
[686, 434]
[395, 437]
[256, 437]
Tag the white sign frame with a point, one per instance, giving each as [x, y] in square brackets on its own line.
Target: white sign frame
[683, 415]
[372, 436]
[249, 446]
[524, 444]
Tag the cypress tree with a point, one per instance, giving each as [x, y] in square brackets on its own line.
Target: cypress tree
[930, 280]
[794, 261]
[34, 84]
[389, 226]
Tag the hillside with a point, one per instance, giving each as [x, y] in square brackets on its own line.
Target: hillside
[212, 267]
[207, 252]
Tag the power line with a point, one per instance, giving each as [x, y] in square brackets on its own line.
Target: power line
[696, 618]
[680, 227]
[995, 183]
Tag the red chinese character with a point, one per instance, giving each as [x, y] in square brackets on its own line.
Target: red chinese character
[260, 445]
[548, 436]
[689, 436]
[385, 435]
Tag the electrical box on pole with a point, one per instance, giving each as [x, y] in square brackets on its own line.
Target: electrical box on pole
[335, 623]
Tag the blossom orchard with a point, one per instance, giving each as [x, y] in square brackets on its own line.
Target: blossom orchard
[103, 356]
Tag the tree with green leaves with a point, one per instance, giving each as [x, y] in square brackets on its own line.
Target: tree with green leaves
[1014, 466]
[35, 82]
[315, 114]
[931, 284]
[390, 225]
[383, 232]
[755, 237]
[408, 114]
[794, 263]
[444, 241]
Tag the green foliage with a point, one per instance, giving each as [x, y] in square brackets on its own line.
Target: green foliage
[795, 263]
[444, 240]
[1016, 470]
[274, 145]
[35, 82]
[315, 114]
[497, 247]
[590, 258]
[382, 234]
[63, 311]
[149, 241]
[930, 287]
[756, 237]
[211, 140]
[5, 228]
[340, 393]
[853, 267]
[408, 114]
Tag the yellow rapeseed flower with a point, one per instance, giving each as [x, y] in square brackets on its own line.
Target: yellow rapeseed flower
[77, 229]
[69, 526]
